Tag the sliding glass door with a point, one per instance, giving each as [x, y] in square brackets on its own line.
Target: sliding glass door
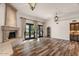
[30, 32]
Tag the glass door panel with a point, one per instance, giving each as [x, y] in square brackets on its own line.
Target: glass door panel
[32, 31]
[27, 31]
[37, 31]
[40, 30]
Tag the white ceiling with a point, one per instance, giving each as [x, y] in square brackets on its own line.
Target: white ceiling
[48, 10]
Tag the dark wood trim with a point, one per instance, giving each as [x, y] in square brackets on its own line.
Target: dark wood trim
[29, 24]
[75, 23]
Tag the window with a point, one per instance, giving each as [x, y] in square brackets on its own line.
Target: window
[40, 30]
[30, 31]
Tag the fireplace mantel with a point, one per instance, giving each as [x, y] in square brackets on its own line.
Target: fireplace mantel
[9, 28]
[6, 30]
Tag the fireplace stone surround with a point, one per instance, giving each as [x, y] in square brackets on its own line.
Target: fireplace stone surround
[6, 30]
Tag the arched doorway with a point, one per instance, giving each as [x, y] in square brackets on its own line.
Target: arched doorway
[48, 31]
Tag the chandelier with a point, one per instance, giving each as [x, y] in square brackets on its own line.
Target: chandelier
[56, 18]
[32, 6]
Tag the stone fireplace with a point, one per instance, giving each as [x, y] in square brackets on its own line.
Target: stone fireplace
[10, 33]
[10, 29]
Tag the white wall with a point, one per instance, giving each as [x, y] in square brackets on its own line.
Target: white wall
[2, 18]
[60, 30]
[19, 22]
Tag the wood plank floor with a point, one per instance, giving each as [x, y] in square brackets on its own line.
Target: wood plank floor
[47, 47]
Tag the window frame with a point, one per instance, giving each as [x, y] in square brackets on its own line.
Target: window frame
[30, 28]
[39, 26]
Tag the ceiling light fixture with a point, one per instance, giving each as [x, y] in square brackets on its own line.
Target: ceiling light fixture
[32, 6]
[56, 18]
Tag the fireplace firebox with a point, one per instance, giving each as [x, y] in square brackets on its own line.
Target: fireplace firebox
[12, 35]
